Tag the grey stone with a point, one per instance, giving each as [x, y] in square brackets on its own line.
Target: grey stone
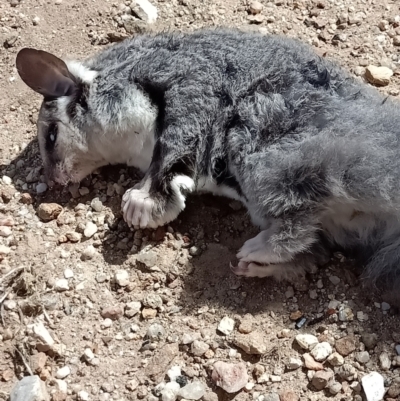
[30, 388]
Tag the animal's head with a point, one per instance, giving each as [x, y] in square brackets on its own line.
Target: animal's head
[63, 118]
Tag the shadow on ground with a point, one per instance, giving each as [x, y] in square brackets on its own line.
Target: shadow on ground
[208, 282]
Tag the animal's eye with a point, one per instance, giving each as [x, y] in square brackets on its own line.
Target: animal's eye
[51, 136]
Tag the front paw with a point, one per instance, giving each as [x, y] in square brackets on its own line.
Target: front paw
[140, 210]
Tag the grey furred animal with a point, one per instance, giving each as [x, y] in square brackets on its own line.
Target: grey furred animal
[311, 151]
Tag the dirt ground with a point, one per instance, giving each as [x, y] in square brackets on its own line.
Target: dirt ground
[122, 307]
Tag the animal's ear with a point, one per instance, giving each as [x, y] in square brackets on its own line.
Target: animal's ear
[44, 73]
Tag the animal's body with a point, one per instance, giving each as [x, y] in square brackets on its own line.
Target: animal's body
[263, 119]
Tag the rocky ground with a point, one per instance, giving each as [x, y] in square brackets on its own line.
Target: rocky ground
[93, 311]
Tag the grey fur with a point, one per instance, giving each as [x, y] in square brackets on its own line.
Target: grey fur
[310, 150]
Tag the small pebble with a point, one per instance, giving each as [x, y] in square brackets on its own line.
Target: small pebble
[90, 229]
[226, 325]
[61, 285]
[63, 372]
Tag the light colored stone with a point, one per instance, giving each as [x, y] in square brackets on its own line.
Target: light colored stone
[362, 357]
[144, 10]
[121, 277]
[88, 354]
[253, 343]
[384, 361]
[230, 377]
[288, 395]
[5, 231]
[156, 332]
[226, 325]
[63, 372]
[199, 348]
[321, 351]
[321, 379]
[68, 273]
[83, 396]
[39, 331]
[255, 7]
[373, 385]
[132, 308]
[29, 388]
[379, 76]
[90, 229]
[170, 391]
[61, 285]
[294, 363]
[335, 388]
[306, 341]
[153, 301]
[96, 205]
[89, 253]
[192, 391]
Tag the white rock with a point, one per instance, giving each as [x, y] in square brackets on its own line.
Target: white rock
[132, 308]
[294, 363]
[90, 229]
[7, 180]
[88, 355]
[40, 332]
[96, 205]
[9, 304]
[170, 391]
[362, 357]
[148, 9]
[226, 325]
[5, 231]
[4, 250]
[68, 273]
[174, 373]
[373, 385]
[307, 341]
[121, 277]
[199, 348]
[153, 301]
[384, 361]
[106, 323]
[321, 351]
[61, 285]
[88, 253]
[63, 372]
[192, 391]
[83, 396]
[30, 388]
[189, 338]
[61, 385]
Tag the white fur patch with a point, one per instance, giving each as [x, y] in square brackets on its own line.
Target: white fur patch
[78, 70]
[207, 184]
[140, 210]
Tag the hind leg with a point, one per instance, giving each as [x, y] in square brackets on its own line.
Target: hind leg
[276, 250]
